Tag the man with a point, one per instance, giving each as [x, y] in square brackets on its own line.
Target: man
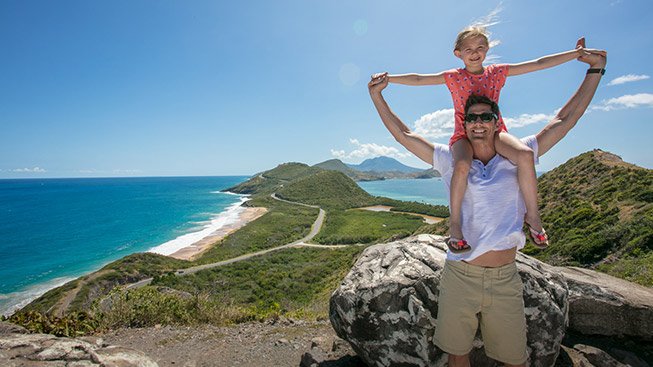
[485, 281]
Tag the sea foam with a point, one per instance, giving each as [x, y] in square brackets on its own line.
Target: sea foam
[228, 216]
[10, 302]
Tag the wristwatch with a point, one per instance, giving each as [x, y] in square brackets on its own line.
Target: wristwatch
[597, 71]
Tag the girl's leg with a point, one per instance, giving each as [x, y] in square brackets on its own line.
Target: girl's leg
[462, 162]
[521, 155]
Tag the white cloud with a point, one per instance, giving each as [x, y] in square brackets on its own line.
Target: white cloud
[440, 123]
[437, 124]
[126, 171]
[627, 79]
[491, 18]
[527, 119]
[29, 170]
[487, 21]
[368, 150]
[625, 101]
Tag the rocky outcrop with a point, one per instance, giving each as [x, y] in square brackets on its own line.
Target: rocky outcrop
[20, 349]
[386, 306]
[600, 304]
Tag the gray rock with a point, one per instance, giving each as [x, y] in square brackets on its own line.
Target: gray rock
[628, 358]
[600, 304]
[115, 356]
[576, 358]
[386, 306]
[9, 328]
[49, 350]
[313, 358]
[597, 357]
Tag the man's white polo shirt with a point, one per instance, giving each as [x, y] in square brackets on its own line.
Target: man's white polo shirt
[493, 207]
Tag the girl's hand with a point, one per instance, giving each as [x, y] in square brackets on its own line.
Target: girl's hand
[582, 51]
[595, 58]
[378, 82]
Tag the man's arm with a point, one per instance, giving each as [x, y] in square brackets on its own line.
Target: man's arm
[419, 146]
[571, 112]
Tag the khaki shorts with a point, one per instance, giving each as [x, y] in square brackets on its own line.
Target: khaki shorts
[493, 296]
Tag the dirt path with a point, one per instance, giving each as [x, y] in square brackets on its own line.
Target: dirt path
[275, 343]
[60, 308]
[428, 219]
[315, 229]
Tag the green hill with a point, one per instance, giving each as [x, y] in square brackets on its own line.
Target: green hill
[598, 212]
[329, 189]
[269, 181]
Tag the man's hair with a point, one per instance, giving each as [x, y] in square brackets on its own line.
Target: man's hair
[469, 32]
[476, 99]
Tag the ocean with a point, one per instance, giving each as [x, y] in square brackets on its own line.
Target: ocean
[54, 230]
[430, 191]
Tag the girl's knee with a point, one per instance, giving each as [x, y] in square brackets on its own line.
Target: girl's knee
[525, 155]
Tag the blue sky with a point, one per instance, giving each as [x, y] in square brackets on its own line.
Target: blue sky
[148, 88]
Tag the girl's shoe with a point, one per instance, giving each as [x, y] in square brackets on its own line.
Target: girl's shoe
[457, 246]
[540, 239]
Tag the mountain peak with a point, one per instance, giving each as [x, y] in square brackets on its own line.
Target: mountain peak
[383, 164]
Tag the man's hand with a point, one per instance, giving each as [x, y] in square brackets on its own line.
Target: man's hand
[595, 58]
[378, 82]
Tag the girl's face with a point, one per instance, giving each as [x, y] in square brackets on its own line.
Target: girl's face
[472, 51]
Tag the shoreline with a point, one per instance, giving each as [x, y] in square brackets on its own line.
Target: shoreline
[190, 245]
[195, 249]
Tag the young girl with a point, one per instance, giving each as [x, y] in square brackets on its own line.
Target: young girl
[472, 45]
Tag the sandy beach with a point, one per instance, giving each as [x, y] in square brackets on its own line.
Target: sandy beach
[428, 219]
[193, 251]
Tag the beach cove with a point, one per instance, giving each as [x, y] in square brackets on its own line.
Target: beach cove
[56, 230]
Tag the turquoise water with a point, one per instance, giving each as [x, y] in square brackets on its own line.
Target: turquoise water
[430, 191]
[53, 230]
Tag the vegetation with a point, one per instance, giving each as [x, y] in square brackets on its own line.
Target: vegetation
[330, 190]
[361, 226]
[282, 224]
[72, 325]
[598, 212]
[270, 181]
[47, 301]
[440, 211]
[297, 280]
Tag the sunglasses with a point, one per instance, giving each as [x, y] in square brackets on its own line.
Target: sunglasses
[485, 117]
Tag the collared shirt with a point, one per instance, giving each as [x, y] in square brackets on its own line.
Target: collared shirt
[493, 207]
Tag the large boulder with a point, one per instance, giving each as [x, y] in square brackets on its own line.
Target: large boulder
[386, 306]
[600, 304]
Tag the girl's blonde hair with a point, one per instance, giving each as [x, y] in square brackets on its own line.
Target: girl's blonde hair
[469, 32]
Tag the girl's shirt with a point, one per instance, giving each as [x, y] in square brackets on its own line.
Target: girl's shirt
[463, 84]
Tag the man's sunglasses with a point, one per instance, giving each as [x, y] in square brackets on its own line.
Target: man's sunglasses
[485, 117]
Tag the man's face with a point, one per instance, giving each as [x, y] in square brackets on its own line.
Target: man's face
[479, 129]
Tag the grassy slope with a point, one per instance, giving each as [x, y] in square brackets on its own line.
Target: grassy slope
[360, 226]
[330, 190]
[598, 212]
